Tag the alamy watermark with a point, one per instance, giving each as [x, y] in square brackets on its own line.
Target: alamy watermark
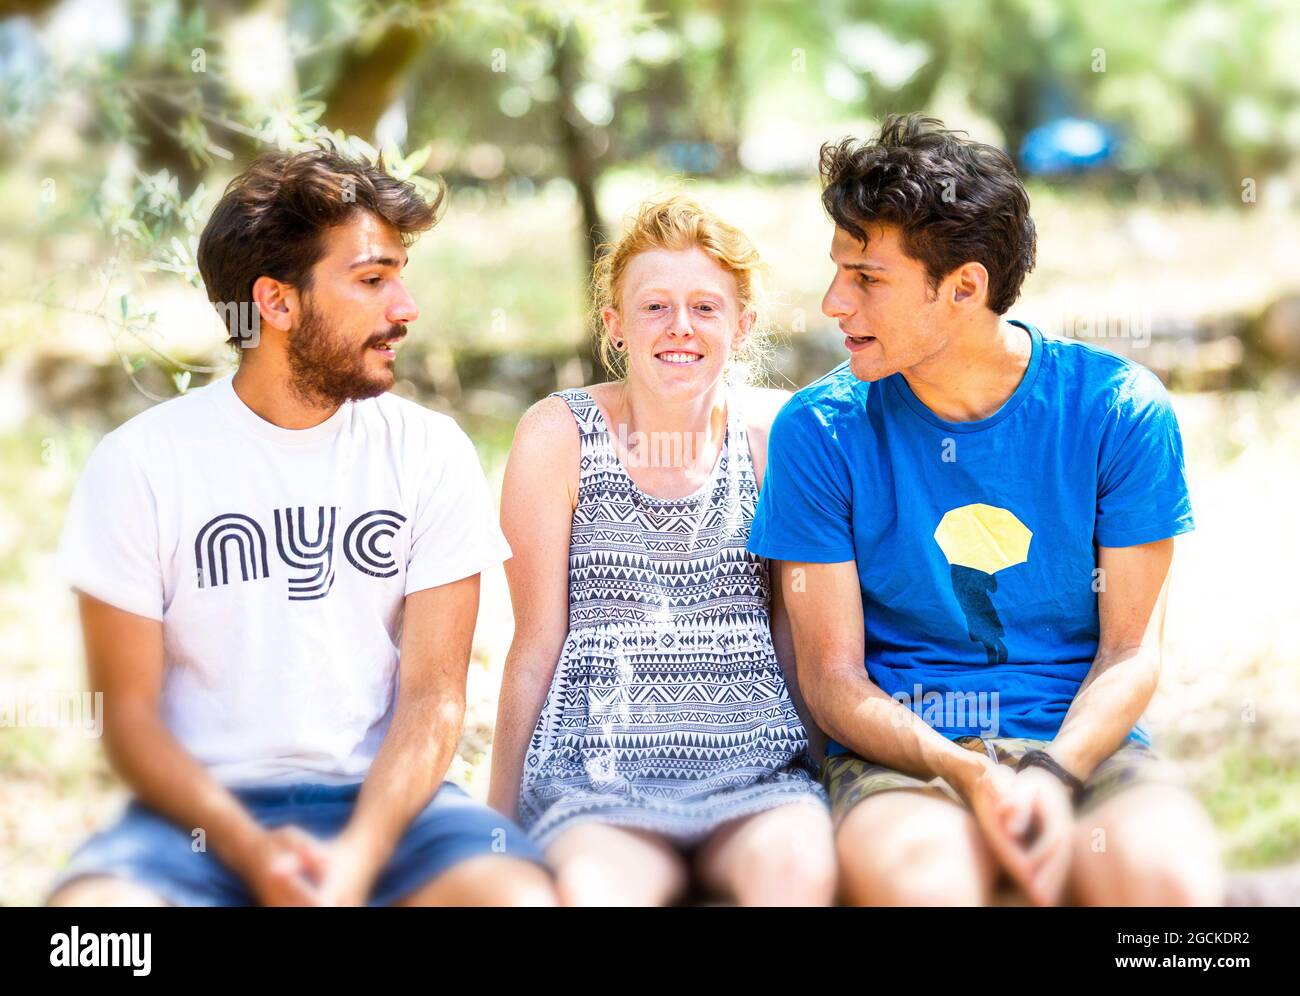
[950, 710]
[81, 711]
[242, 320]
[1130, 324]
[661, 449]
[95, 949]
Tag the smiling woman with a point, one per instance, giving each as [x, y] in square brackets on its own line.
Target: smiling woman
[679, 225]
[644, 709]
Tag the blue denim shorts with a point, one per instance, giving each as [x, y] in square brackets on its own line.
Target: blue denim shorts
[148, 849]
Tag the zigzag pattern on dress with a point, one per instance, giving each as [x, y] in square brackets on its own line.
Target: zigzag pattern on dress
[668, 710]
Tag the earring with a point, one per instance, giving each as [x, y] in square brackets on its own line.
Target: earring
[618, 344]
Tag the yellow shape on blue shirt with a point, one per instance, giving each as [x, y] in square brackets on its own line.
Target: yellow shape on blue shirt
[983, 537]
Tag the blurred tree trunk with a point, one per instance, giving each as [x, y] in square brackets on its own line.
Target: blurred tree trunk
[1222, 165]
[161, 114]
[582, 164]
[730, 99]
[159, 119]
[370, 80]
[27, 8]
[1021, 115]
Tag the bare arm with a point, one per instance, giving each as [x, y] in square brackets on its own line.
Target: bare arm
[761, 408]
[825, 608]
[1126, 670]
[124, 655]
[824, 603]
[537, 504]
[437, 637]
[783, 642]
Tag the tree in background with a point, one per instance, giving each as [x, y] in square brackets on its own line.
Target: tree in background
[175, 95]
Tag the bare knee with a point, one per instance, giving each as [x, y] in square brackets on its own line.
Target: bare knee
[1153, 846]
[785, 857]
[490, 880]
[905, 849]
[796, 874]
[514, 882]
[104, 890]
[599, 865]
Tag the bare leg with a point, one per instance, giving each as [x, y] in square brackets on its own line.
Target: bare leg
[488, 880]
[913, 848]
[105, 890]
[780, 857]
[1152, 845]
[600, 865]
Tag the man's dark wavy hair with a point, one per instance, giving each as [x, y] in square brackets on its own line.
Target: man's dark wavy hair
[954, 200]
[272, 218]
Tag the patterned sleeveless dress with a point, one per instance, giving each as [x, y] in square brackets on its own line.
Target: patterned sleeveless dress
[668, 710]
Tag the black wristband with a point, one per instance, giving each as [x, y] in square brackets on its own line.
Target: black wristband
[1042, 759]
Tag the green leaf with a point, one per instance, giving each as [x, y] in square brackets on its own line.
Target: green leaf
[362, 147]
[416, 160]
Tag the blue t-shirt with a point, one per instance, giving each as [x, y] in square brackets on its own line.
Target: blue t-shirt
[976, 542]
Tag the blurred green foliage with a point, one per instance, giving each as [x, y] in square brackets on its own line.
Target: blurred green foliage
[121, 120]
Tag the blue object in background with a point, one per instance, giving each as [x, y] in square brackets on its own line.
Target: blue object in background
[1066, 145]
[698, 158]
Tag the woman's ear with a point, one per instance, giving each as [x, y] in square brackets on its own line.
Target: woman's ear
[743, 329]
[613, 323]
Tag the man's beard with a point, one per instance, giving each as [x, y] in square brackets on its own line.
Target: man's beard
[328, 369]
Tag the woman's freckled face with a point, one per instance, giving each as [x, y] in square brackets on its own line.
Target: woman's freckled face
[679, 317]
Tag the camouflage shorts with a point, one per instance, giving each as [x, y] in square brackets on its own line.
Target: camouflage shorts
[849, 779]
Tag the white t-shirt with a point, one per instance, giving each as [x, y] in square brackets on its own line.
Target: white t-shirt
[277, 561]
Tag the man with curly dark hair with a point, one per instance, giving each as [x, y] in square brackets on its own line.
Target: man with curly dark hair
[975, 526]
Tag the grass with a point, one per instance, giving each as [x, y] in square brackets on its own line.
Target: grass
[1255, 803]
